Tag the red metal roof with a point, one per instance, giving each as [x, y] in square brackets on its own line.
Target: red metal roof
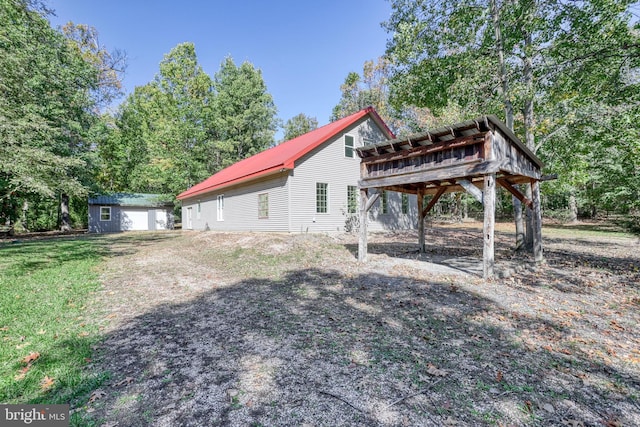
[281, 157]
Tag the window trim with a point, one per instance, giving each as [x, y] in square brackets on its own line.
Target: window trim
[198, 211]
[326, 198]
[352, 147]
[260, 206]
[109, 210]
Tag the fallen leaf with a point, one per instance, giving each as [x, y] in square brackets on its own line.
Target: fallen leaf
[433, 370]
[573, 423]
[450, 422]
[32, 357]
[499, 376]
[46, 383]
[96, 395]
[125, 381]
[4, 328]
[22, 373]
[42, 332]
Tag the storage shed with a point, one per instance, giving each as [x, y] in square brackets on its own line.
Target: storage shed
[129, 211]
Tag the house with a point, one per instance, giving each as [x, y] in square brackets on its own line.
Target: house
[129, 211]
[306, 184]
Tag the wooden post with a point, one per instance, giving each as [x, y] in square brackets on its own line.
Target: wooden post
[421, 214]
[362, 241]
[537, 222]
[488, 229]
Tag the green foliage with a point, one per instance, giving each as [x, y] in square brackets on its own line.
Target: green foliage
[45, 291]
[299, 125]
[50, 89]
[568, 75]
[177, 130]
[245, 114]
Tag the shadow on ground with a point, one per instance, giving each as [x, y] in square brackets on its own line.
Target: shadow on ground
[325, 348]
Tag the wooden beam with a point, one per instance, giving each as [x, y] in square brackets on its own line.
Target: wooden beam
[516, 193]
[488, 229]
[465, 170]
[362, 239]
[471, 189]
[433, 201]
[421, 215]
[371, 201]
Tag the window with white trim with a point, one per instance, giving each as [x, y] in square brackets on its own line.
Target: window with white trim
[105, 213]
[349, 146]
[263, 205]
[198, 210]
[322, 191]
[220, 207]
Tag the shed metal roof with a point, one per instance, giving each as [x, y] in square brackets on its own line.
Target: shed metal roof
[280, 157]
[131, 199]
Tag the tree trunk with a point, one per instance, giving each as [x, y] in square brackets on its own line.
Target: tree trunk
[508, 112]
[528, 125]
[573, 208]
[65, 219]
[25, 208]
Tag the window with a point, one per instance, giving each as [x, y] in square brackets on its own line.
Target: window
[405, 203]
[263, 205]
[321, 197]
[221, 207]
[384, 202]
[198, 210]
[105, 213]
[348, 146]
[352, 199]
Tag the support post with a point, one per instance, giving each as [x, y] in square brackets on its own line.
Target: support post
[537, 222]
[362, 241]
[421, 215]
[488, 252]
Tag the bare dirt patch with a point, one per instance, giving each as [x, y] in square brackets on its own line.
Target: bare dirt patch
[253, 329]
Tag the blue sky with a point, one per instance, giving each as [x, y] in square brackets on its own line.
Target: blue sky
[305, 49]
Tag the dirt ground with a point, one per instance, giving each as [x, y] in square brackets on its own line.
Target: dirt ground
[242, 329]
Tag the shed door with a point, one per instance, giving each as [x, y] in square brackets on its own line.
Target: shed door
[134, 219]
[161, 219]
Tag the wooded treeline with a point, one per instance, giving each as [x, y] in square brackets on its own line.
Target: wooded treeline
[562, 74]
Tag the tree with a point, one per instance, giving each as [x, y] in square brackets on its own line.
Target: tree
[45, 109]
[162, 134]
[110, 65]
[244, 112]
[518, 57]
[299, 125]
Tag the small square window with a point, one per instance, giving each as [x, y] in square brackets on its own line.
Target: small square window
[348, 146]
[105, 213]
[263, 205]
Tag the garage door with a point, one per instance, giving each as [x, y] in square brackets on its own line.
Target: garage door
[134, 219]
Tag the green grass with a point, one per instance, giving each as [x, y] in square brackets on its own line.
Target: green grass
[45, 287]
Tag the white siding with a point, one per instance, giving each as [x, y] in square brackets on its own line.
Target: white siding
[328, 164]
[292, 195]
[241, 207]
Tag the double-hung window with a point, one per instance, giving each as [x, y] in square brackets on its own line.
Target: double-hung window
[220, 207]
[105, 213]
[349, 146]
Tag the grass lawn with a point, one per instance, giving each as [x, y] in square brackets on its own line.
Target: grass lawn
[46, 336]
